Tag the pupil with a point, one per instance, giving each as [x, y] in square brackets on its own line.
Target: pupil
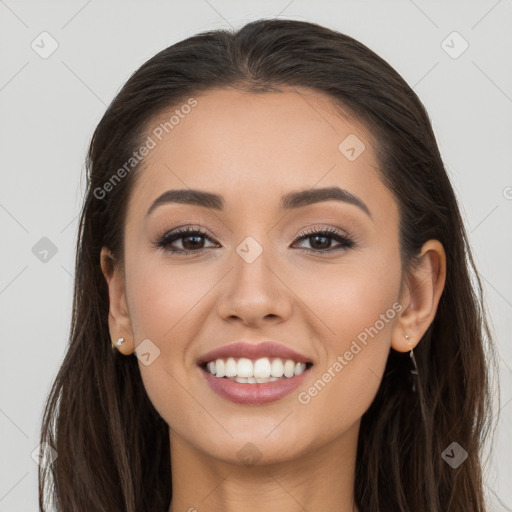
[325, 244]
[194, 244]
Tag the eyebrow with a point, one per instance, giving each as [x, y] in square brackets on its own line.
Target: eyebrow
[289, 201]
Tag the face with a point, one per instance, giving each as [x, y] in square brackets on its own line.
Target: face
[320, 277]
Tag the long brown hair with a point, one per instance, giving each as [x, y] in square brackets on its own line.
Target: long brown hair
[112, 445]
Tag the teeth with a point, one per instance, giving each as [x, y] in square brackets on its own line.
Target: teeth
[262, 368]
[277, 368]
[252, 380]
[244, 367]
[289, 368]
[231, 368]
[220, 370]
[250, 372]
[299, 368]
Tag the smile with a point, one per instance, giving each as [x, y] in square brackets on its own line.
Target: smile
[259, 371]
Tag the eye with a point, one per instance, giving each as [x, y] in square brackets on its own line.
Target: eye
[190, 240]
[320, 240]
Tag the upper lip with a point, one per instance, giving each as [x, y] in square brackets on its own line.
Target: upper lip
[251, 351]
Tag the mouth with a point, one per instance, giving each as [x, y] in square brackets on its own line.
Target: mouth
[254, 374]
[255, 371]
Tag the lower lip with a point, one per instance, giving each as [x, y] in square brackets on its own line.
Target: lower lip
[253, 394]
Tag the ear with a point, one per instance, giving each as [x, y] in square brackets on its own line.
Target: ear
[118, 318]
[421, 291]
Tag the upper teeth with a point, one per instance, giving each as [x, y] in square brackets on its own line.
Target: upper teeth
[260, 369]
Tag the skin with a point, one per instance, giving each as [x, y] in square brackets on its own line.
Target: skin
[252, 149]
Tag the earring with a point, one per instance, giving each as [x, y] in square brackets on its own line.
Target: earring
[414, 370]
[118, 343]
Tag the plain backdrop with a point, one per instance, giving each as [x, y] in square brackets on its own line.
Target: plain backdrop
[50, 104]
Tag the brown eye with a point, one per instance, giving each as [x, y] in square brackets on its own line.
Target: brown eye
[321, 240]
[192, 240]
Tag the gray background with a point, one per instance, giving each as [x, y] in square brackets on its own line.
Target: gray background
[50, 106]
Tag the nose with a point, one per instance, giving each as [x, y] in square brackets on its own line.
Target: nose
[255, 294]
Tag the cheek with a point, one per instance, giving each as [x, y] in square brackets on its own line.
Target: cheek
[164, 301]
[357, 305]
[163, 297]
[352, 295]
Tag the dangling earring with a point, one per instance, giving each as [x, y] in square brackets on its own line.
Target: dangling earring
[414, 369]
[118, 343]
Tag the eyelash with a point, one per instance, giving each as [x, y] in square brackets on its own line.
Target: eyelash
[167, 239]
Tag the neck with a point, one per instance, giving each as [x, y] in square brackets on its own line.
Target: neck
[322, 479]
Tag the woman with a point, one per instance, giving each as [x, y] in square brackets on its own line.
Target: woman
[272, 248]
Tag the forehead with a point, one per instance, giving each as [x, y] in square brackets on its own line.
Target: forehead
[258, 147]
